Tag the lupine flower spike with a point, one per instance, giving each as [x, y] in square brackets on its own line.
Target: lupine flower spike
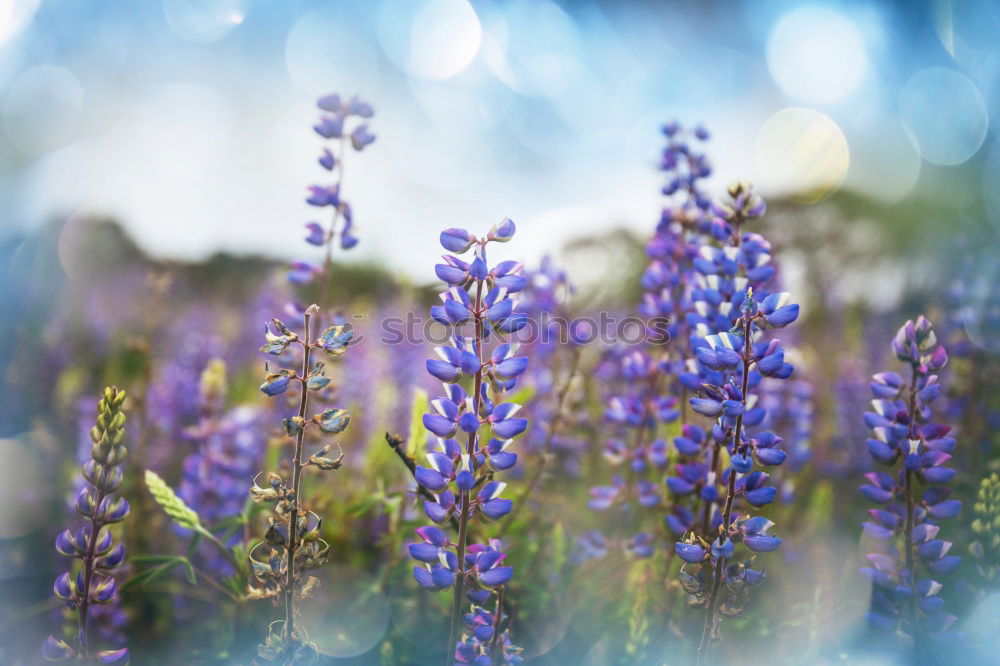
[732, 310]
[334, 125]
[459, 474]
[292, 543]
[912, 451]
[92, 544]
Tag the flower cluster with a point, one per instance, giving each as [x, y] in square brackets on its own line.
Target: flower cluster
[334, 125]
[92, 544]
[292, 543]
[459, 474]
[732, 309]
[909, 555]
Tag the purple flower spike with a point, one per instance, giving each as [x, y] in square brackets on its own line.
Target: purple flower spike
[338, 123]
[475, 298]
[94, 582]
[907, 530]
[712, 283]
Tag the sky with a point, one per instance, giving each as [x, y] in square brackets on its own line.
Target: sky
[191, 121]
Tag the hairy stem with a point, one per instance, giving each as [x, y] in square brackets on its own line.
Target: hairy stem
[911, 604]
[220, 546]
[328, 261]
[496, 655]
[463, 522]
[88, 577]
[289, 587]
[727, 513]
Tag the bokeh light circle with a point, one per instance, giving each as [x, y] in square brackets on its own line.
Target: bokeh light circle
[204, 22]
[532, 32]
[946, 114]
[980, 300]
[801, 153]
[416, 617]
[968, 32]
[434, 39]
[21, 503]
[817, 55]
[42, 109]
[982, 625]
[326, 52]
[348, 615]
[445, 39]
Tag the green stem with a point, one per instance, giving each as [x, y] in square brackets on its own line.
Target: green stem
[918, 638]
[727, 514]
[222, 548]
[88, 576]
[328, 261]
[293, 520]
[496, 656]
[463, 521]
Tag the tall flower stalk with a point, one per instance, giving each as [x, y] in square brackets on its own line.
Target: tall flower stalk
[292, 543]
[909, 555]
[92, 544]
[460, 474]
[335, 126]
[732, 312]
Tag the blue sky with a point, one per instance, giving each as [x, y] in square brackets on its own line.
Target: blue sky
[190, 121]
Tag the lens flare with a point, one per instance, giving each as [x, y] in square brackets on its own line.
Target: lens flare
[348, 615]
[802, 153]
[817, 55]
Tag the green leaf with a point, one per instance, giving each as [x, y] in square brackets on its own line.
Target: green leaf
[417, 436]
[164, 565]
[173, 505]
[194, 543]
[190, 571]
